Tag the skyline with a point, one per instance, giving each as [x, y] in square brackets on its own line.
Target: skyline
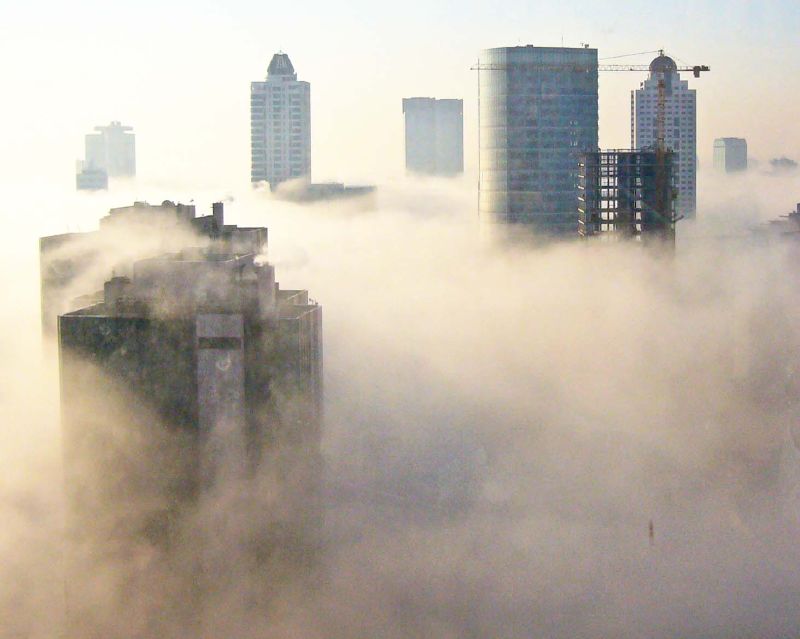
[185, 89]
[567, 439]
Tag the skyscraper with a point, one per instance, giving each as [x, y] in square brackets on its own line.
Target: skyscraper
[280, 125]
[730, 155]
[112, 149]
[538, 113]
[74, 264]
[434, 136]
[680, 130]
[196, 374]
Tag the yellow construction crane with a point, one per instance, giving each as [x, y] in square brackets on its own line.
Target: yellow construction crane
[584, 68]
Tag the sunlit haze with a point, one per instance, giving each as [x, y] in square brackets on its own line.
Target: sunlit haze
[559, 440]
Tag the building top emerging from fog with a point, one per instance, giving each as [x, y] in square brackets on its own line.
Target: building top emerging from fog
[280, 125]
[730, 154]
[214, 374]
[72, 264]
[680, 133]
[434, 132]
[112, 148]
[538, 113]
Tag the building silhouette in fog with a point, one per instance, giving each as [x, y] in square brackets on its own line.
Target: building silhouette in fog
[74, 264]
[680, 134]
[434, 131]
[195, 372]
[112, 149]
[280, 125]
[730, 155]
[538, 113]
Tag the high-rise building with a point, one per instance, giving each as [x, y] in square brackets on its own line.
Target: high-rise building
[680, 126]
[280, 125]
[730, 154]
[74, 264]
[195, 375]
[538, 113]
[434, 136]
[112, 149]
[627, 194]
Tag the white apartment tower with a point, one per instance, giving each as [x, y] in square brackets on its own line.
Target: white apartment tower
[280, 125]
[680, 126]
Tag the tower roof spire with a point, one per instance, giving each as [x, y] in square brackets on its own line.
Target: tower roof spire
[280, 65]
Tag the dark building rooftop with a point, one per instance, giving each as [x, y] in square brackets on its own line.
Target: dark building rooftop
[280, 65]
[663, 64]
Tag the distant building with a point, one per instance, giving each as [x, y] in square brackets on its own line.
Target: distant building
[280, 125]
[538, 113]
[73, 264]
[624, 195]
[90, 179]
[730, 155]
[680, 132]
[112, 149]
[194, 374]
[326, 191]
[434, 136]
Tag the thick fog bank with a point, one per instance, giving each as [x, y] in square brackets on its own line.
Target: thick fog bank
[501, 428]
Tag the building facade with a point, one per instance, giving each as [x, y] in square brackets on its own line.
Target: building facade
[111, 149]
[627, 194]
[434, 133]
[538, 113]
[730, 155]
[680, 126]
[280, 125]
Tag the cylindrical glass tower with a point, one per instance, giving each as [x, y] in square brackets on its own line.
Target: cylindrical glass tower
[538, 113]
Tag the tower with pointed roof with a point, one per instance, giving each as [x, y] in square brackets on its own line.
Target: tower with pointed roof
[280, 125]
[680, 126]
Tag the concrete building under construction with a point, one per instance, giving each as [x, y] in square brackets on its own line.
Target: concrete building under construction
[627, 194]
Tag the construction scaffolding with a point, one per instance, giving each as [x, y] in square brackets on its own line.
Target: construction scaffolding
[627, 194]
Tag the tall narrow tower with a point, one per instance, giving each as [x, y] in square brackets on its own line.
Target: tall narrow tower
[680, 126]
[280, 125]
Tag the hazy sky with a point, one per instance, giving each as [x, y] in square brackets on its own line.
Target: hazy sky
[179, 72]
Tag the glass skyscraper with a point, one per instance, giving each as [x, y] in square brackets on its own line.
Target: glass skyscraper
[538, 114]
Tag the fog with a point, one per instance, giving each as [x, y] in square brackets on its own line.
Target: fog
[502, 425]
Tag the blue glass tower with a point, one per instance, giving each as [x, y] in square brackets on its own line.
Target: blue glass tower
[538, 114]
